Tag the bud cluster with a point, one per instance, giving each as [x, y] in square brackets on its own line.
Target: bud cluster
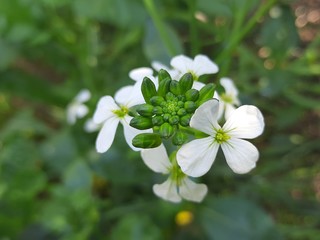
[168, 109]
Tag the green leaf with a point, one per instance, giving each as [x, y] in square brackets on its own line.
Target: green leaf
[236, 218]
[136, 227]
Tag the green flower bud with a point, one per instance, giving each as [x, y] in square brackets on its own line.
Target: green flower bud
[166, 130]
[175, 87]
[148, 89]
[174, 120]
[157, 120]
[170, 96]
[157, 110]
[192, 95]
[145, 110]
[163, 75]
[147, 140]
[190, 106]
[156, 100]
[206, 93]
[156, 128]
[141, 123]
[179, 138]
[185, 120]
[181, 98]
[164, 87]
[186, 82]
[182, 112]
[166, 117]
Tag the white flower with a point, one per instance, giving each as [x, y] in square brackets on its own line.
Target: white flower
[76, 109]
[110, 112]
[199, 66]
[172, 72]
[196, 157]
[178, 185]
[227, 100]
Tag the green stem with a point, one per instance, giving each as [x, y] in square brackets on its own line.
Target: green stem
[235, 40]
[158, 22]
[193, 28]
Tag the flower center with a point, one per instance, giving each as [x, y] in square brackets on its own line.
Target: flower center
[227, 98]
[221, 136]
[122, 112]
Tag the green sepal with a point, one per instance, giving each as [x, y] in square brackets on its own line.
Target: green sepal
[175, 87]
[182, 112]
[166, 130]
[179, 138]
[163, 75]
[147, 140]
[148, 89]
[141, 123]
[186, 82]
[192, 95]
[157, 121]
[190, 106]
[157, 110]
[164, 87]
[145, 110]
[174, 120]
[206, 93]
[156, 100]
[185, 120]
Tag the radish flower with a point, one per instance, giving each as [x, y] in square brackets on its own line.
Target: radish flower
[77, 109]
[178, 186]
[199, 66]
[110, 112]
[196, 157]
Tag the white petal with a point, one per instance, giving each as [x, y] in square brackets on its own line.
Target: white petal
[198, 85]
[245, 122]
[135, 97]
[182, 63]
[72, 113]
[167, 190]
[158, 66]
[91, 126]
[203, 65]
[229, 109]
[192, 191]
[122, 95]
[83, 96]
[196, 157]
[82, 110]
[104, 109]
[221, 105]
[229, 86]
[156, 159]
[240, 155]
[106, 135]
[139, 73]
[205, 118]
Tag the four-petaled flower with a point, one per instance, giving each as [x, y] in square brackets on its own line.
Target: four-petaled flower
[111, 111]
[196, 157]
[178, 185]
[227, 100]
[199, 66]
[76, 109]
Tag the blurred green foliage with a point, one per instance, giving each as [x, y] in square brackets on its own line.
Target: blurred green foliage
[53, 185]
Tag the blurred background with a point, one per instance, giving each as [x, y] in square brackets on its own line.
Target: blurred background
[53, 184]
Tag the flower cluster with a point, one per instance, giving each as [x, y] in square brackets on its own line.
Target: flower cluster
[174, 110]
